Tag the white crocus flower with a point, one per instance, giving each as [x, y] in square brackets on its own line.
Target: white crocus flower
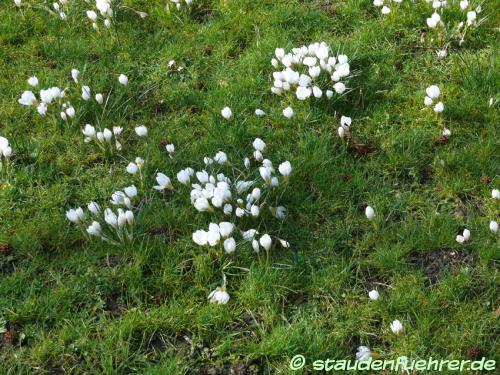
[220, 158]
[123, 79]
[265, 173]
[200, 237]
[493, 226]
[396, 327]
[285, 169]
[374, 295]
[259, 145]
[92, 15]
[75, 73]
[259, 112]
[471, 17]
[219, 296]
[227, 113]
[33, 81]
[75, 215]
[341, 132]
[170, 149]
[370, 213]
[439, 107]
[184, 178]
[132, 168]
[99, 98]
[94, 208]
[85, 93]
[163, 182]
[345, 121]
[363, 353]
[495, 194]
[95, 229]
[229, 245]
[70, 111]
[288, 112]
[225, 229]
[141, 131]
[266, 242]
[27, 98]
[202, 205]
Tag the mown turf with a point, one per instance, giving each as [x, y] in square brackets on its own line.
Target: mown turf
[86, 307]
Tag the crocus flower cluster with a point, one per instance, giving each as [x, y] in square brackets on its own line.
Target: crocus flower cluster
[243, 194]
[52, 96]
[61, 8]
[117, 225]
[458, 31]
[345, 126]
[464, 237]
[104, 13]
[433, 94]
[385, 5]
[179, 3]
[106, 139]
[303, 69]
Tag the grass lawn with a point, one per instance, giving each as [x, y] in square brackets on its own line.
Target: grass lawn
[73, 305]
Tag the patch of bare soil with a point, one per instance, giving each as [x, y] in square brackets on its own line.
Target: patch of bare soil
[436, 263]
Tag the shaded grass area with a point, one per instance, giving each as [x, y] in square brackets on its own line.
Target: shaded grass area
[74, 306]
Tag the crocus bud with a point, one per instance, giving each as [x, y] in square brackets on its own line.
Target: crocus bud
[396, 327]
[99, 98]
[288, 112]
[33, 81]
[495, 193]
[370, 213]
[494, 226]
[266, 242]
[374, 295]
[227, 113]
[85, 93]
[141, 131]
[229, 245]
[123, 79]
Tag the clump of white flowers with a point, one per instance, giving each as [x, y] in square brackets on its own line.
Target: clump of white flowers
[107, 139]
[245, 197]
[57, 102]
[309, 71]
[385, 5]
[59, 8]
[104, 13]
[456, 32]
[464, 237]
[431, 99]
[117, 226]
[432, 95]
[180, 3]
[47, 98]
[345, 126]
